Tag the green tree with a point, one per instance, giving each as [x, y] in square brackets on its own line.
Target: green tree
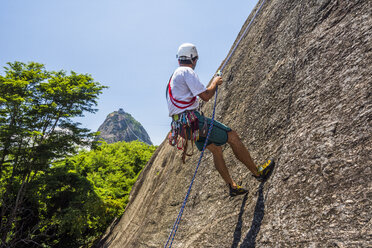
[80, 196]
[69, 212]
[37, 108]
[112, 169]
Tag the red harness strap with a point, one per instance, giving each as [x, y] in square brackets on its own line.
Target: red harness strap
[174, 101]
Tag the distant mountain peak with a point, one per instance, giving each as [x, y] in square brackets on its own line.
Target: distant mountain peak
[121, 126]
[121, 111]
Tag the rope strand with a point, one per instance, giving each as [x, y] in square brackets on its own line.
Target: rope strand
[241, 37]
[178, 220]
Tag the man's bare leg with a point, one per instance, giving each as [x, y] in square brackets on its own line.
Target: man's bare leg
[220, 165]
[241, 152]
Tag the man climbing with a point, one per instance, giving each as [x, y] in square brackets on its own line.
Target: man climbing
[183, 91]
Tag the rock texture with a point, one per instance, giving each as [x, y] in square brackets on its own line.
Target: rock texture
[298, 89]
[121, 126]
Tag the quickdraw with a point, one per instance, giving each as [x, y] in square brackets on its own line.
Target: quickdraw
[184, 128]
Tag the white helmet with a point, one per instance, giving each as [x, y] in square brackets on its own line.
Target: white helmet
[187, 51]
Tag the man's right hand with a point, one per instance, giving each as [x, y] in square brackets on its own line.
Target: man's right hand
[206, 95]
[217, 80]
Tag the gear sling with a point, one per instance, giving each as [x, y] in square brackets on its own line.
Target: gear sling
[184, 126]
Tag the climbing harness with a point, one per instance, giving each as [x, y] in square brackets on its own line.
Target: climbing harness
[178, 220]
[184, 128]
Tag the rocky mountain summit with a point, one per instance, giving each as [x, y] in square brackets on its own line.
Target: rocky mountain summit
[121, 126]
[298, 88]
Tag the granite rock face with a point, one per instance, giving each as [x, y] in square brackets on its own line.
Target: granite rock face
[121, 126]
[298, 89]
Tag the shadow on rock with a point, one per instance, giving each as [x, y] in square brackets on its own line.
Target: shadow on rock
[238, 228]
[259, 212]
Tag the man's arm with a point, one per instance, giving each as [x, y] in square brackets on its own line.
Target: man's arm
[208, 94]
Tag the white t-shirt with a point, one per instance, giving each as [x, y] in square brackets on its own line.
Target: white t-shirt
[185, 85]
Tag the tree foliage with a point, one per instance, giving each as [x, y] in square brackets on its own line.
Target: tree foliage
[37, 108]
[80, 196]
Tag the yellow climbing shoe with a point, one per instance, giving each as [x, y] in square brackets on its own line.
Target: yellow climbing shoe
[237, 191]
[265, 170]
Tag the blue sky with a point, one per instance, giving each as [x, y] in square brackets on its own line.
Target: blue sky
[129, 46]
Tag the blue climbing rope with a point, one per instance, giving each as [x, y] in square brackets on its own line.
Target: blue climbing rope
[241, 37]
[178, 220]
[175, 226]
